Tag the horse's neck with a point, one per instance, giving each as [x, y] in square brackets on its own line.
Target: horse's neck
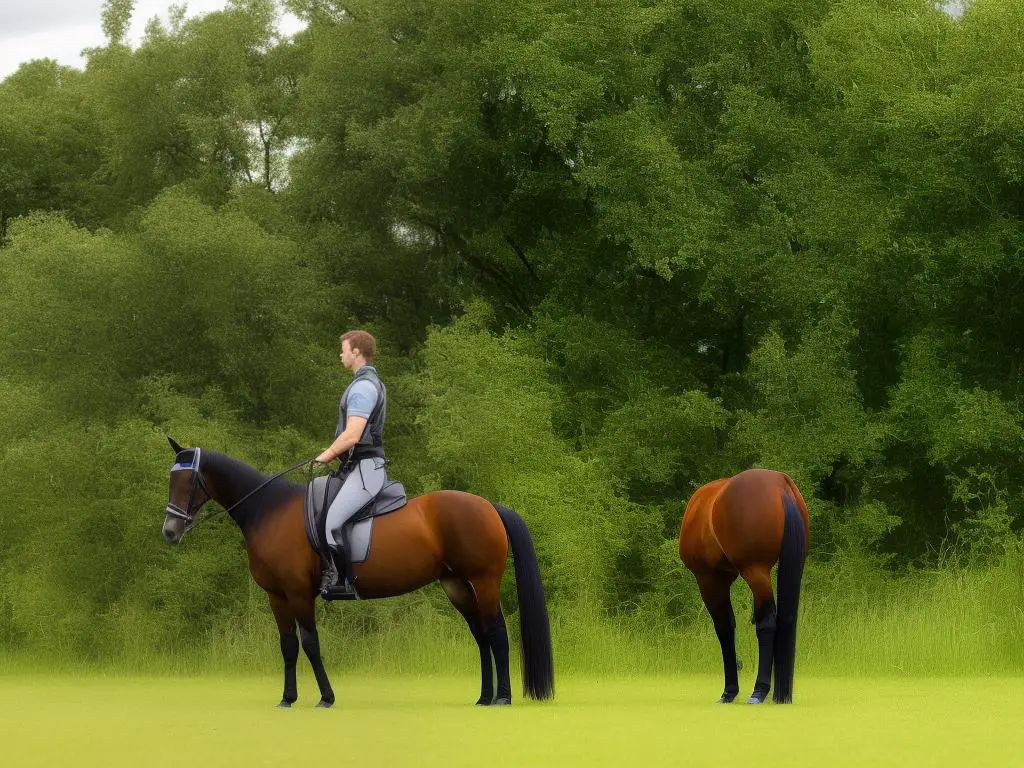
[229, 483]
[249, 495]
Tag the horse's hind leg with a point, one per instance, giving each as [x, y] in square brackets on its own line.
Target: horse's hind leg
[497, 635]
[488, 610]
[289, 647]
[760, 581]
[463, 597]
[714, 589]
[306, 617]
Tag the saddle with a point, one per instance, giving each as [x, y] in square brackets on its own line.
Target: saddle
[358, 530]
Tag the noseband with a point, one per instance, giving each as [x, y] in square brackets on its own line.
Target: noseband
[188, 463]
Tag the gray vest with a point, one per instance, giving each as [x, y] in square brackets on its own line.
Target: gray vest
[371, 443]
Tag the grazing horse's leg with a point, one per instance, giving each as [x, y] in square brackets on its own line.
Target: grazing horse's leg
[714, 589]
[497, 635]
[289, 647]
[489, 616]
[760, 581]
[305, 614]
[461, 593]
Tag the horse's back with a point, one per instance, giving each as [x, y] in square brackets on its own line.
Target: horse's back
[433, 533]
[735, 521]
[470, 530]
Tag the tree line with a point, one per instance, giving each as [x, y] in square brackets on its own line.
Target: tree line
[610, 251]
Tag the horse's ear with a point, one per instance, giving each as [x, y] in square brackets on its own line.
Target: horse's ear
[174, 446]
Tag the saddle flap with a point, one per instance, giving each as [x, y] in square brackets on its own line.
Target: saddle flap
[319, 495]
[321, 492]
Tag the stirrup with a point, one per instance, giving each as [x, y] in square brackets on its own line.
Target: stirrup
[343, 591]
[340, 586]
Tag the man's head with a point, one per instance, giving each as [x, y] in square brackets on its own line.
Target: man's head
[357, 349]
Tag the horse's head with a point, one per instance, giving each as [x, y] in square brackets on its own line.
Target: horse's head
[188, 492]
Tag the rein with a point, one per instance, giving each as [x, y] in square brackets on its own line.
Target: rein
[192, 521]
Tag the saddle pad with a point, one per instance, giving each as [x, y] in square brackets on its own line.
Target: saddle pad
[357, 537]
[358, 531]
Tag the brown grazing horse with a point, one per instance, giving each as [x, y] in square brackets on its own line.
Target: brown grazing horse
[742, 526]
[456, 538]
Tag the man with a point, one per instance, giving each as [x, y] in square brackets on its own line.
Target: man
[359, 438]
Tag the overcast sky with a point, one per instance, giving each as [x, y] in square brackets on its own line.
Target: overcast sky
[60, 29]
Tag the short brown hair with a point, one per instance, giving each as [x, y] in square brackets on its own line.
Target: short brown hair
[363, 341]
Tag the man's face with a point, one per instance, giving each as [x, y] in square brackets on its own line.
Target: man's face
[348, 355]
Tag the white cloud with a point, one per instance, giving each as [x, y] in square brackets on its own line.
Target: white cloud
[62, 29]
[20, 17]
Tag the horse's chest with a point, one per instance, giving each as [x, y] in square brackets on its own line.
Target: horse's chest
[272, 563]
[262, 570]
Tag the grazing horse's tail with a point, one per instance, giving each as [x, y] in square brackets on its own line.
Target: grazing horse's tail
[791, 569]
[534, 629]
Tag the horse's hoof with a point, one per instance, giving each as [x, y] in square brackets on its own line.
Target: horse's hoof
[757, 698]
[285, 704]
[482, 702]
[727, 698]
[501, 701]
[325, 704]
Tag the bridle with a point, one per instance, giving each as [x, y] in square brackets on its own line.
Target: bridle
[187, 460]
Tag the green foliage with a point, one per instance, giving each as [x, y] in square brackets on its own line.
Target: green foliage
[611, 252]
[50, 131]
[658, 439]
[809, 416]
[958, 425]
[117, 15]
[489, 430]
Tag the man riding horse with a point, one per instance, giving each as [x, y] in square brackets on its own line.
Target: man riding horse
[452, 537]
[359, 438]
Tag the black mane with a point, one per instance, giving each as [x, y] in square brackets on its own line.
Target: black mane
[235, 479]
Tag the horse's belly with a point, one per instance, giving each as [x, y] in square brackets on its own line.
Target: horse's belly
[403, 556]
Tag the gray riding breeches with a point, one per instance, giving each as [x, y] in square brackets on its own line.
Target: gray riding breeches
[362, 484]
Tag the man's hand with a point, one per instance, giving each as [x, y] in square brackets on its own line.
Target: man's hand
[353, 431]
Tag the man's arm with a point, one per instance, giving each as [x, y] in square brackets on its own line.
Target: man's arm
[354, 427]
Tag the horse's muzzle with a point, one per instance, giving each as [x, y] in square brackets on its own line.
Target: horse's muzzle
[172, 531]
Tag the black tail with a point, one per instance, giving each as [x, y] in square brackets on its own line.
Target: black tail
[534, 629]
[791, 570]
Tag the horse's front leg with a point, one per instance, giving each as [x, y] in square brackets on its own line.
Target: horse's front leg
[305, 614]
[285, 618]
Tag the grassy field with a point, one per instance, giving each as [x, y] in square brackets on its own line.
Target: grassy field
[890, 671]
[402, 721]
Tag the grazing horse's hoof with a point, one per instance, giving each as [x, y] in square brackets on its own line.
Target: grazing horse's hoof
[285, 704]
[325, 704]
[727, 698]
[482, 702]
[502, 701]
[757, 697]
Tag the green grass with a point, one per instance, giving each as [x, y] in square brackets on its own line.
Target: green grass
[857, 620]
[402, 721]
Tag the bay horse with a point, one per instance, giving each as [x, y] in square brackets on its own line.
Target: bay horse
[456, 538]
[742, 526]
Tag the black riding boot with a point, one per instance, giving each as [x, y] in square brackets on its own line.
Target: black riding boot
[330, 577]
[333, 586]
